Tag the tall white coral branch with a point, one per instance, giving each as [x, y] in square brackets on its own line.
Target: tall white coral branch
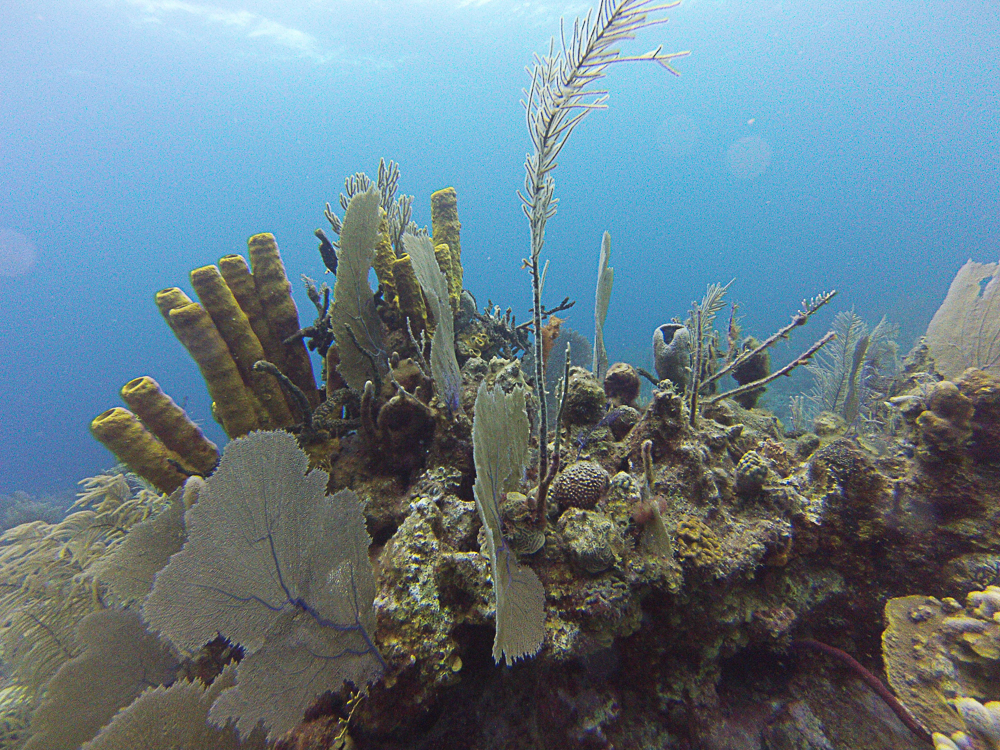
[559, 97]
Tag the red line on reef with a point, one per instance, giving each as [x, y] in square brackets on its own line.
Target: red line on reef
[873, 682]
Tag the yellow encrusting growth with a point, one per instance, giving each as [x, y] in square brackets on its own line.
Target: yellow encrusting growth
[236, 408]
[409, 295]
[244, 346]
[275, 294]
[170, 424]
[121, 432]
[446, 229]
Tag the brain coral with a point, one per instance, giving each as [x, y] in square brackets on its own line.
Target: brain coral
[580, 485]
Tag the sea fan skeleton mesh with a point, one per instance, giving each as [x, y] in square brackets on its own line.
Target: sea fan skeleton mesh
[500, 443]
[119, 658]
[46, 571]
[275, 564]
[356, 325]
[965, 331]
[444, 365]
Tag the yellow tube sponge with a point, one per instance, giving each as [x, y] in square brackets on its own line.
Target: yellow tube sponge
[411, 298]
[236, 272]
[121, 432]
[275, 294]
[385, 258]
[170, 424]
[171, 299]
[235, 407]
[446, 230]
[244, 346]
[442, 254]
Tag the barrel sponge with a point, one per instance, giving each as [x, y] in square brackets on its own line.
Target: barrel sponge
[121, 432]
[236, 272]
[275, 293]
[235, 406]
[243, 344]
[170, 424]
[446, 228]
[411, 299]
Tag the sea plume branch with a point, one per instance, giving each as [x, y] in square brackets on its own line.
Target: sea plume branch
[557, 100]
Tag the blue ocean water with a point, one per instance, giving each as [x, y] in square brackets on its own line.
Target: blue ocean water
[805, 146]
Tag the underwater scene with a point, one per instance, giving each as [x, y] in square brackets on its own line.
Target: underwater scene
[486, 374]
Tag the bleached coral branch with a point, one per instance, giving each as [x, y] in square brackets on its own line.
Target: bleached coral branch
[559, 96]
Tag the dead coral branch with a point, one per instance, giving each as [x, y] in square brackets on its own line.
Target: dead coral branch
[809, 307]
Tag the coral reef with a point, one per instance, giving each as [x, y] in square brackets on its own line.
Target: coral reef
[428, 551]
[672, 553]
[580, 485]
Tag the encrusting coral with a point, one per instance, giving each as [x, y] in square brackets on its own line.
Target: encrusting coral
[580, 485]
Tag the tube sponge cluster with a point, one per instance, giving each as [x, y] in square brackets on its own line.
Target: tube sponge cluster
[157, 440]
[245, 313]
